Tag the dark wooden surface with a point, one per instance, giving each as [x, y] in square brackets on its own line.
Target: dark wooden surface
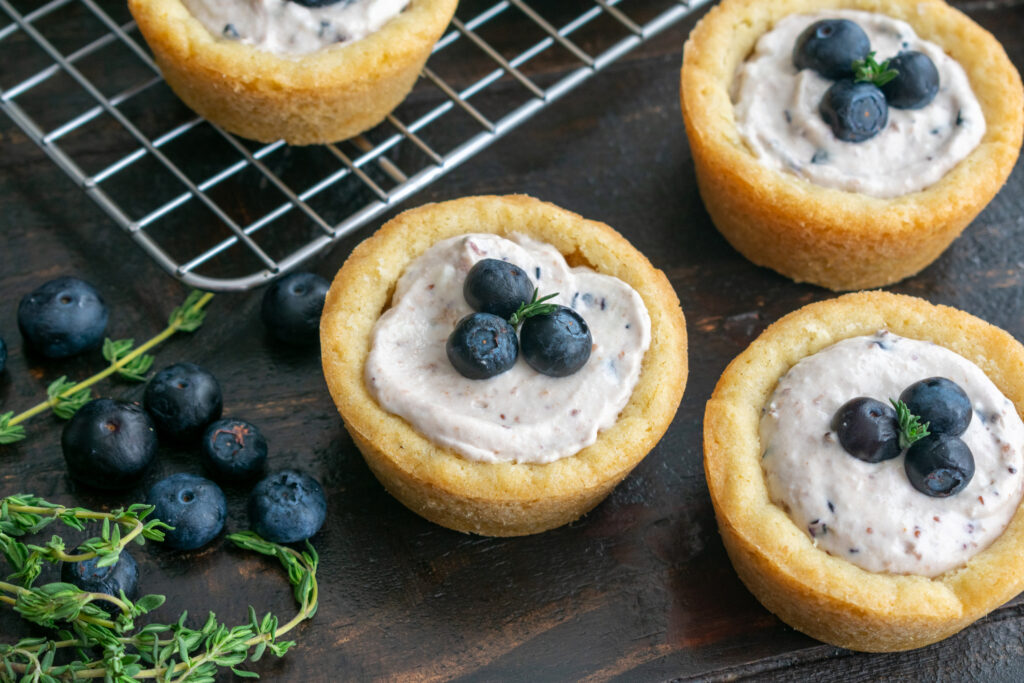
[640, 589]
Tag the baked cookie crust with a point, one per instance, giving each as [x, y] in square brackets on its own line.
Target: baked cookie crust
[836, 239]
[504, 499]
[324, 96]
[824, 596]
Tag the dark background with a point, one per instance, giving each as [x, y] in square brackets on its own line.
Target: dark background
[640, 588]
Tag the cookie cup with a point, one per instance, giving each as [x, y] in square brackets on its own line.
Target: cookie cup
[504, 499]
[833, 238]
[827, 597]
[324, 96]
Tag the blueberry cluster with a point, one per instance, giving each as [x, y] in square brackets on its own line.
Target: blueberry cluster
[925, 423]
[856, 107]
[554, 340]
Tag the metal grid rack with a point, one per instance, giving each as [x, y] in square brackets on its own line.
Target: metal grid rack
[222, 213]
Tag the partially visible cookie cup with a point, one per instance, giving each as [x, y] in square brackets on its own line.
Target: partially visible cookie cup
[502, 499]
[824, 596]
[324, 96]
[836, 239]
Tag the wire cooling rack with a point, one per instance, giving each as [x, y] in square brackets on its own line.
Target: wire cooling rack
[222, 213]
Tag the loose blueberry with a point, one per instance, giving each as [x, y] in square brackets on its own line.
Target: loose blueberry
[194, 506]
[234, 449]
[108, 444]
[556, 344]
[917, 82]
[482, 345]
[855, 111]
[183, 399]
[941, 403]
[939, 465]
[287, 506]
[498, 287]
[62, 317]
[867, 429]
[123, 575]
[3, 354]
[830, 47]
[292, 306]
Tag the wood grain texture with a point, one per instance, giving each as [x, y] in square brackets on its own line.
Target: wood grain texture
[640, 589]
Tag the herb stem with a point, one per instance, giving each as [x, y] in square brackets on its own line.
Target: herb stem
[54, 512]
[173, 327]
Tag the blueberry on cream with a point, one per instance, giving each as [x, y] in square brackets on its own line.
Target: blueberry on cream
[830, 47]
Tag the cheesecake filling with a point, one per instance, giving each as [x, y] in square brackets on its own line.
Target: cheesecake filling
[519, 416]
[776, 110]
[289, 28]
[868, 513]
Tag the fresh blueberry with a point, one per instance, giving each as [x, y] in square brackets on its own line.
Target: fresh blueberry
[123, 575]
[498, 287]
[287, 506]
[855, 111]
[234, 449]
[556, 344]
[867, 429]
[917, 82]
[830, 47]
[183, 399]
[939, 465]
[62, 317]
[482, 345]
[193, 505]
[3, 354]
[108, 444]
[292, 306]
[941, 403]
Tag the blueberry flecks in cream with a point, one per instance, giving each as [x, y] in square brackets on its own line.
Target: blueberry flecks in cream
[868, 513]
[520, 415]
[777, 115]
[291, 28]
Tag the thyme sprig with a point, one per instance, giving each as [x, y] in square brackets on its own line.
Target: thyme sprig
[867, 70]
[911, 429]
[65, 397]
[535, 307]
[109, 646]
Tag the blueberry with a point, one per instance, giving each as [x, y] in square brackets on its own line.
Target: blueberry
[830, 47]
[855, 111]
[941, 403]
[867, 429]
[556, 344]
[193, 505]
[917, 82]
[482, 345]
[498, 287]
[62, 317]
[287, 506]
[939, 465]
[108, 444]
[234, 449]
[183, 399]
[292, 306]
[123, 575]
[3, 354]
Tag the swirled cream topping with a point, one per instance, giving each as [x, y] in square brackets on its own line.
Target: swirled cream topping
[868, 513]
[519, 416]
[777, 116]
[289, 28]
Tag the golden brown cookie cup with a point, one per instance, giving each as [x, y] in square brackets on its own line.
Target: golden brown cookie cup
[827, 597]
[324, 96]
[836, 239]
[504, 499]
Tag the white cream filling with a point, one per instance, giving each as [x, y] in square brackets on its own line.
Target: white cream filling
[520, 415]
[868, 513]
[777, 115]
[288, 28]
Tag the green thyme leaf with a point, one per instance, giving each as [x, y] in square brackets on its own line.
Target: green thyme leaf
[535, 307]
[867, 70]
[10, 433]
[189, 316]
[65, 405]
[911, 429]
